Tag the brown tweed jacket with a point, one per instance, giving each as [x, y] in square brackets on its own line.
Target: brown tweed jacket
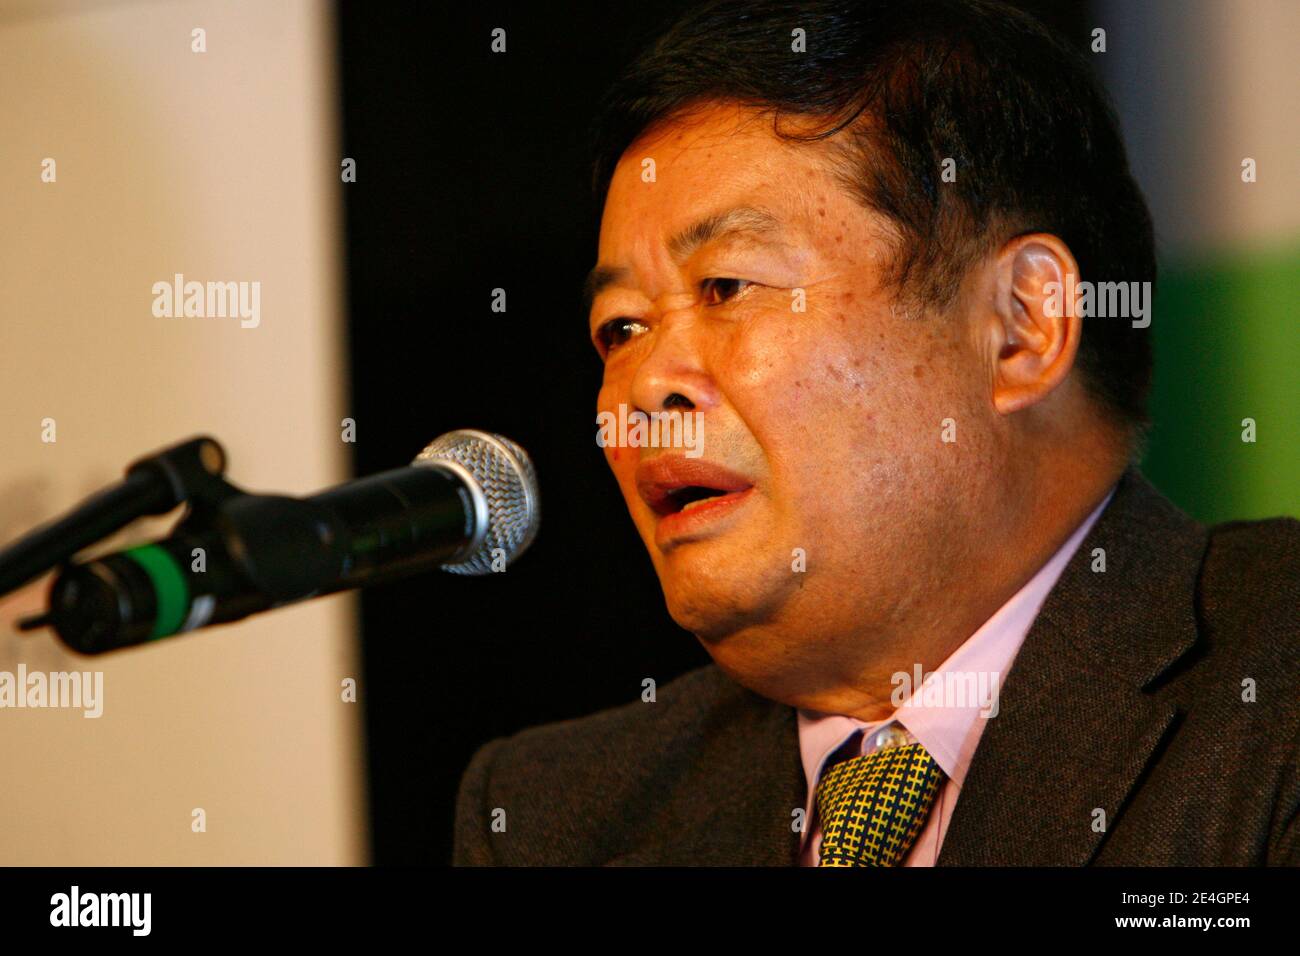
[1127, 695]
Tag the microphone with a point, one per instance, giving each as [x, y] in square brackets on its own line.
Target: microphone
[468, 503]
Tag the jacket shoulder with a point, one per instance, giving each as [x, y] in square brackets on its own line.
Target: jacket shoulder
[678, 706]
[1248, 614]
[559, 791]
[1250, 579]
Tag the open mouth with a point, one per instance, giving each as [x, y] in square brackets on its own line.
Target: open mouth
[677, 489]
[684, 499]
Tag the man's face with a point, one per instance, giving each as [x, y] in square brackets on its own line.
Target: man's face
[746, 280]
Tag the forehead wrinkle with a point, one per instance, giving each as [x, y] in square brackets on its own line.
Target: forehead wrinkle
[736, 221]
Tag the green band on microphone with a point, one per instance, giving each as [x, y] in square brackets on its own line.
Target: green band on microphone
[168, 584]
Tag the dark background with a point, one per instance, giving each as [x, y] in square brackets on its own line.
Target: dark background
[472, 174]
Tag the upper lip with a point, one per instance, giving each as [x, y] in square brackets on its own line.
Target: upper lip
[659, 480]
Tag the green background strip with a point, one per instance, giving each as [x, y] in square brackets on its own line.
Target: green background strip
[1227, 341]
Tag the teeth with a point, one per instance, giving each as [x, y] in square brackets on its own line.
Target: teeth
[699, 501]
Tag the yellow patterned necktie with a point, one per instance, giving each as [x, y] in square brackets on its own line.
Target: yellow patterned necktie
[872, 807]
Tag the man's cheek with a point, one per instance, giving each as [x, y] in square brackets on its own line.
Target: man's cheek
[607, 397]
[801, 368]
[621, 459]
[770, 352]
[606, 426]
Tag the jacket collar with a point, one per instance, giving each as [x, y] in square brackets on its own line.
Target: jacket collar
[1075, 728]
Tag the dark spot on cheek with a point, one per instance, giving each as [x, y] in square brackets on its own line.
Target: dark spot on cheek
[918, 371]
[822, 213]
[857, 363]
[847, 298]
[835, 373]
[840, 237]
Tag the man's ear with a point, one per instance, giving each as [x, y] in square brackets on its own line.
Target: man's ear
[1034, 330]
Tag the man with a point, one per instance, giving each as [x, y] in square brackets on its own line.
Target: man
[838, 234]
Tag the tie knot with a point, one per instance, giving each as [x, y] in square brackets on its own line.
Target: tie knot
[872, 807]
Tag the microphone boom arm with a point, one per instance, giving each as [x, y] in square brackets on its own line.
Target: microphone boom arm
[190, 471]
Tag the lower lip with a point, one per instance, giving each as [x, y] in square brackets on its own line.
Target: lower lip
[672, 528]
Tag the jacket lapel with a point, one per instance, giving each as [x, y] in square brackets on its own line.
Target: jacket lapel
[1074, 728]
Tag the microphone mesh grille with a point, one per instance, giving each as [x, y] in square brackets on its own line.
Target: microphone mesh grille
[505, 474]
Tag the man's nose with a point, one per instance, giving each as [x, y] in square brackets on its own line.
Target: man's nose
[672, 375]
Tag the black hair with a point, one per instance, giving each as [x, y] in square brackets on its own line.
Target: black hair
[1035, 141]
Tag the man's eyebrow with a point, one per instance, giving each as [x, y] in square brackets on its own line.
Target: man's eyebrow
[739, 219]
[734, 221]
[597, 280]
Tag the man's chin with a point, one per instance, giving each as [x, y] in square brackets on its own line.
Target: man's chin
[715, 600]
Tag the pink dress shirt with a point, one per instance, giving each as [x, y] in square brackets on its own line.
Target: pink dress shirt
[949, 733]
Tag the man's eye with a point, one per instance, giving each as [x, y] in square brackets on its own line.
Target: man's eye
[718, 291]
[615, 332]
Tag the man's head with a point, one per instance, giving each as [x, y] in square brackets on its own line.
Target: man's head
[841, 254]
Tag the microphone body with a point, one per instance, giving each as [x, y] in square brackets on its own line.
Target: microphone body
[258, 552]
